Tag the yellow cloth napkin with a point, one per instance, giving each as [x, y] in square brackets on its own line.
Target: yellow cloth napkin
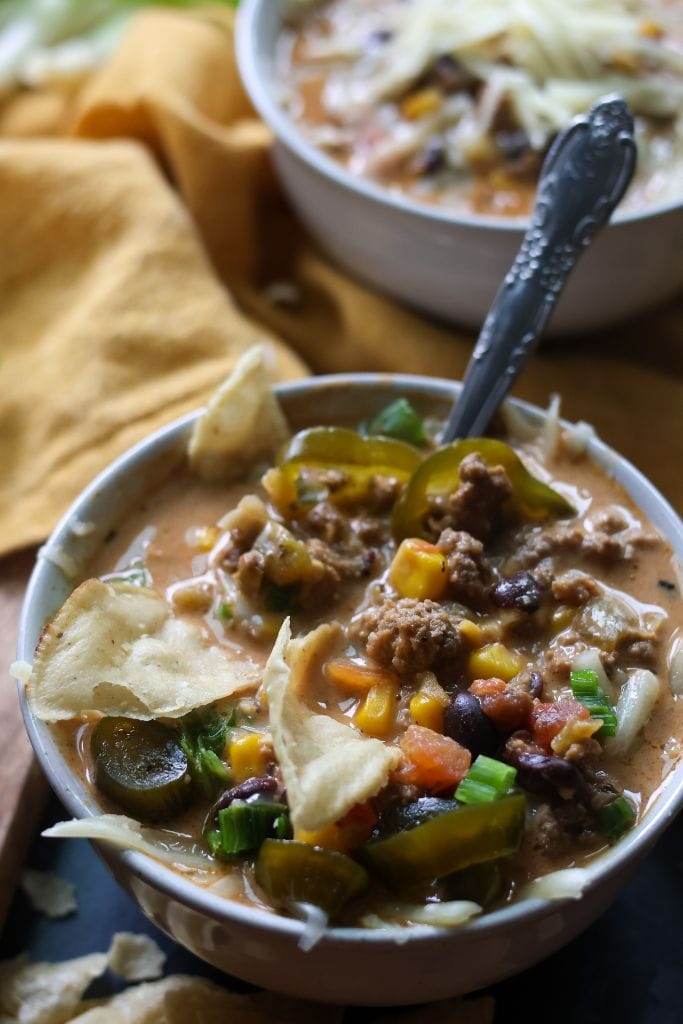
[112, 321]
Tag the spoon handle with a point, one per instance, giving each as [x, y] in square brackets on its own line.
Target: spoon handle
[585, 174]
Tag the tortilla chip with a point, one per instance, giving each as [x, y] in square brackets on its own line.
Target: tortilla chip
[49, 894]
[180, 999]
[327, 766]
[46, 993]
[136, 957]
[242, 423]
[117, 829]
[115, 648]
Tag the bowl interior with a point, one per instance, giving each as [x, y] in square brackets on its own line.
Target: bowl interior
[259, 24]
[342, 398]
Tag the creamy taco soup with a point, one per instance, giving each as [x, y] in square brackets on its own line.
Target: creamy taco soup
[456, 102]
[350, 673]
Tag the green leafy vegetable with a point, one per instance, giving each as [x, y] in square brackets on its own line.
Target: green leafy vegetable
[203, 738]
[400, 421]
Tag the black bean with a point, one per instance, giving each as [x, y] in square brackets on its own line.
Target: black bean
[547, 776]
[450, 75]
[465, 722]
[536, 684]
[250, 787]
[521, 590]
[513, 144]
[430, 159]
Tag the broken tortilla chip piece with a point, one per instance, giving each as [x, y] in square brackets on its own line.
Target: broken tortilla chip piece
[123, 832]
[136, 957]
[327, 766]
[242, 422]
[45, 993]
[115, 648]
[49, 894]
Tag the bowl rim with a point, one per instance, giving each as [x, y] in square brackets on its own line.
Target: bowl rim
[256, 80]
[72, 792]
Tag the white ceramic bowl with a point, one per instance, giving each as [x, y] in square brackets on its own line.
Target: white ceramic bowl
[447, 264]
[349, 965]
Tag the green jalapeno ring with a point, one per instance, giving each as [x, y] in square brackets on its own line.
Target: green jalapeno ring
[439, 475]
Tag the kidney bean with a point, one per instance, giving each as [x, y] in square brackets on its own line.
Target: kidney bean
[465, 722]
[546, 775]
[521, 590]
[536, 685]
[246, 789]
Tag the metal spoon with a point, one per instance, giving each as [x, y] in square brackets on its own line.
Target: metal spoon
[584, 175]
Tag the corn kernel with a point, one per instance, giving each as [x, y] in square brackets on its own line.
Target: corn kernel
[248, 756]
[472, 632]
[419, 104]
[562, 618]
[329, 837]
[376, 716]
[356, 677]
[205, 537]
[650, 29]
[419, 570]
[193, 598]
[428, 704]
[494, 661]
[279, 488]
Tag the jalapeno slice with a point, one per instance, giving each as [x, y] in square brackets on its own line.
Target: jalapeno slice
[292, 872]
[469, 834]
[297, 481]
[439, 475]
[141, 767]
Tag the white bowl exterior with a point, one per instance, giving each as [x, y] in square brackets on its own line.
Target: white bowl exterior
[448, 266]
[348, 965]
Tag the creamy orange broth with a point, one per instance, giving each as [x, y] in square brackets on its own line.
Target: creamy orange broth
[163, 530]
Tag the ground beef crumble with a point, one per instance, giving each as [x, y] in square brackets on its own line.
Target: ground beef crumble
[410, 636]
[470, 575]
[478, 504]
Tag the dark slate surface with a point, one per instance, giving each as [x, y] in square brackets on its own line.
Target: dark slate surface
[627, 968]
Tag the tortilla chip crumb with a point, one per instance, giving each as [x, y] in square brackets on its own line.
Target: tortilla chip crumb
[136, 957]
[49, 893]
[45, 993]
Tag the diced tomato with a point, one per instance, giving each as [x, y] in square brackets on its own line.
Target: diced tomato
[507, 706]
[487, 687]
[546, 720]
[435, 762]
[357, 824]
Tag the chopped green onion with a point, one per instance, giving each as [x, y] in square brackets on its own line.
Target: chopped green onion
[585, 683]
[242, 827]
[400, 421]
[225, 612]
[487, 780]
[586, 689]
[283, 827]
[616, 818]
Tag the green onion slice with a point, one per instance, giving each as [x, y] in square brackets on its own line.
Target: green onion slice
[586, 689]
[616, 818]
[242, 827]
[487, 780]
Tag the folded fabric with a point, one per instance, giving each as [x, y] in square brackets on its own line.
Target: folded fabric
[113, 320]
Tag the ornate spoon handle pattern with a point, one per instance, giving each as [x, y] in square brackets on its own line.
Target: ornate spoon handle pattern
[585, 174]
